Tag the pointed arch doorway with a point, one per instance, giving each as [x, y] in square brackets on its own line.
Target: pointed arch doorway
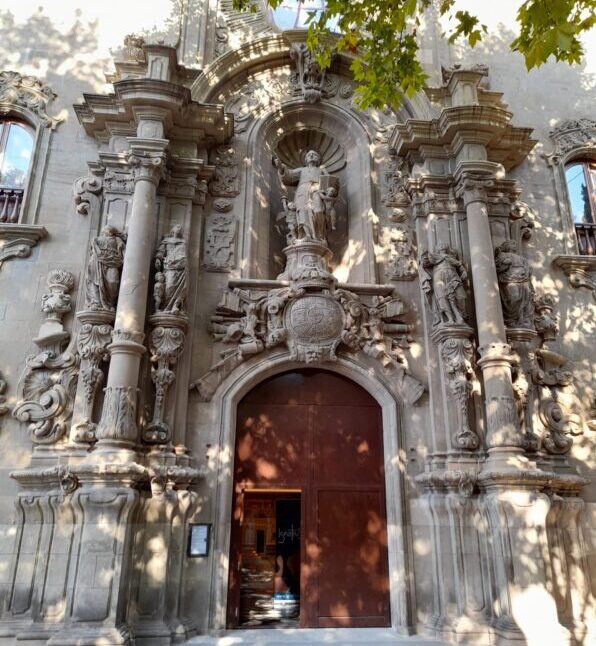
[309, 536]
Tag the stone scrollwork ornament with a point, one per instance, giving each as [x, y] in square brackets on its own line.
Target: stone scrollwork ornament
[226, 177]
[49, 381]
[102, 278]
[560, 408]
[220, 240]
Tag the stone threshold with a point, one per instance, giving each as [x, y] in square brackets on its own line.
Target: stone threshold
[335, 636]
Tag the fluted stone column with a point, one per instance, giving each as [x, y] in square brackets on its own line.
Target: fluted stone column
[117, 430]
[503, 435]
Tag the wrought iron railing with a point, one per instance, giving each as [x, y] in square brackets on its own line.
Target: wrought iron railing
[11, 200]
[586, 238]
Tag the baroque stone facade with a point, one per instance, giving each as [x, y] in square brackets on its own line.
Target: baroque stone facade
[235, 217]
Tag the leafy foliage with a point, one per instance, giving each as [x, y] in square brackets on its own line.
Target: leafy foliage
[380, 37]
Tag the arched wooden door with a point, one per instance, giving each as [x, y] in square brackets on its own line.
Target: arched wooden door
[309, 466]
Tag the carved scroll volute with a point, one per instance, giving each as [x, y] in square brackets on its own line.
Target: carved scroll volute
[49, 380]
[93, 339]
[165, 345]
[457, 352]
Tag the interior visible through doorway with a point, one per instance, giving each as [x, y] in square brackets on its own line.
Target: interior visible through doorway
[270, 559]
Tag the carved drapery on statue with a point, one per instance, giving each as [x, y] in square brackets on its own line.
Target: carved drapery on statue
[311, 214]
[515, 284]
[102, 279]
[443, 278]
[171, 278]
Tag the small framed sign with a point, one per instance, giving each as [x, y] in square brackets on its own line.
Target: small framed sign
[199, 539]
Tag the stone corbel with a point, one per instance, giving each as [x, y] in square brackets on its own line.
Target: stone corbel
[17, 240]
[579, 271]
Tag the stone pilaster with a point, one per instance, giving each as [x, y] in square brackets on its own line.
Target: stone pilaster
[117, 429]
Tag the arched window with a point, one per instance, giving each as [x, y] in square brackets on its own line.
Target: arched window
[581, 188]
[16, 150]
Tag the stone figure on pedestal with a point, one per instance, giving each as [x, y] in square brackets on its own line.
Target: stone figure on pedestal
[315, 196]
[171, 278]
[443, 279]
[515, 283]
[102, 279]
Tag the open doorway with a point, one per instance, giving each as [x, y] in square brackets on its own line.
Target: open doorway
[269, 559]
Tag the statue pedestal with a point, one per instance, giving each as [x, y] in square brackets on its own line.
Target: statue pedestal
[308, 265]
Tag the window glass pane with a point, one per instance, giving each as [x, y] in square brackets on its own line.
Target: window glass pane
[578, 193]
[294, 14]
[16, 157]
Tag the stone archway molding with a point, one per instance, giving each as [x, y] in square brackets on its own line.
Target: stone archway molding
[226, 401]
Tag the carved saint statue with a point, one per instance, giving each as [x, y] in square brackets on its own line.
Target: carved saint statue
[443, 279]
[171, 278]
[515, 283]
[102, 278]
[312, 213]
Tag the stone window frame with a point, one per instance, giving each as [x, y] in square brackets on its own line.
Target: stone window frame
[573, 141]
[26, 99]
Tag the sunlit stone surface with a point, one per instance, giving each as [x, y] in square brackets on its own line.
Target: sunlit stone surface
[269, 361]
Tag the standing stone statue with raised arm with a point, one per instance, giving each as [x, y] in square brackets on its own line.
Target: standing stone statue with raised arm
[443, 280]
[171, 278]
[315, 196]
[102, 278]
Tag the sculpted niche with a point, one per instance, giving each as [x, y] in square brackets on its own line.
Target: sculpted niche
[171, 277]
[515, 283]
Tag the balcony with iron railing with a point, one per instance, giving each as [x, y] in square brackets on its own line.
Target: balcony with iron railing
[586, 238]
[11, 200]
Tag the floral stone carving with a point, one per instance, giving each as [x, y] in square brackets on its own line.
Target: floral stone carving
[402, 261]
[102, 278]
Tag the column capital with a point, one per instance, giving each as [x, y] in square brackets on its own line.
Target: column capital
[145, 165]
[473, 187]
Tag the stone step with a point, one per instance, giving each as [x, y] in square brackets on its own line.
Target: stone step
[323, 636]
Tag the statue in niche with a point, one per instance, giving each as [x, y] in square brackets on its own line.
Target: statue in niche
[443, 281]
[312, 212]
[515, 283]
[171, 278]
[102, 279]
